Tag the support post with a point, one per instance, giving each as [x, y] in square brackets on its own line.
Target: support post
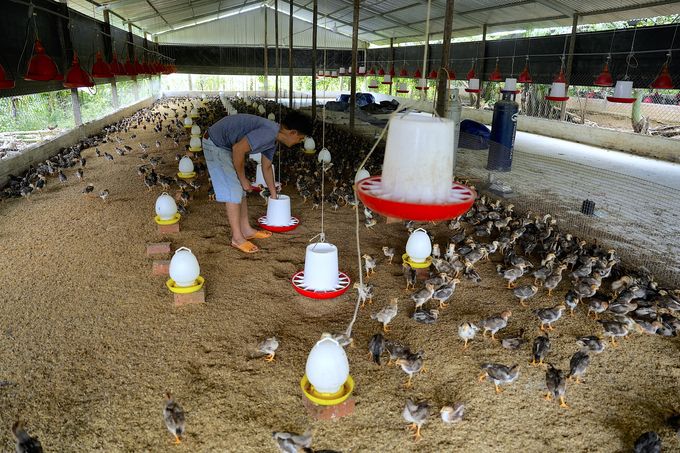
[314, 34]
[483, 65]
[391, 60]
[108, 54]
[276, 52]
[114, 94]
[266, 72]
[570, 61]
[191, 88]
[131, 52]
[443, 79]
[76, 106]
[353, 83]
[290, 56]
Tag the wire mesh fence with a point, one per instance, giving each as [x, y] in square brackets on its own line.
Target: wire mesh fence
[635, 217]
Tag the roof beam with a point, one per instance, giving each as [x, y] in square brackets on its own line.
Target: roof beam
[171, 11]
[188, 22]
[115, 5]
[365, 31]
[399, 24]
[559, 7]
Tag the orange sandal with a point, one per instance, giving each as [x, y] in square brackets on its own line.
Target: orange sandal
[260, 235]
[246, 247]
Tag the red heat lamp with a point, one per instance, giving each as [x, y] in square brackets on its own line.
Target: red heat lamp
[604, 79]
[392, 73]
[496, 76]
[129, 67]
[139, 69]
[433, 74]
[4, 83]
[77, 77]
[381, 72]
[41, 68]
[117, 68]
[560, 77]
[417, 74]
[403, 72]
[147, 68]
[471, 74]
[524, 77]
[372, 71]
[100, 70]
[663, 82]
[452, 75]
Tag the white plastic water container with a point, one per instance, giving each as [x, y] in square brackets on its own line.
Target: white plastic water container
[184, 268]
[321, 267]
[327, 366]
[278, 211]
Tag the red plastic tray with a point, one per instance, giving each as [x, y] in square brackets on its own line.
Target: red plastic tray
[257, 189]
[621, 100]
[557, 98]
[294, 222]
[298, 278]
[370, 193]
[470, 90]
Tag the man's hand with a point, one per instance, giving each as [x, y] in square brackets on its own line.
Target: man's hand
[246, 185]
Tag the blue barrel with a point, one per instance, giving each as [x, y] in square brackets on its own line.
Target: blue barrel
[503, 130]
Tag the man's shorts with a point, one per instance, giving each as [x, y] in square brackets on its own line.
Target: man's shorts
[225, 181]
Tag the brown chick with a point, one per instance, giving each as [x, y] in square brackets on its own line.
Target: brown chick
[540, 350]
[289, 442]
[499, 374]
[524, 292]
[556, 383]
[495, 323]
[397, 351]
[411, 276]
[579, 364]
[584, 290]
[554, 279]
[389, 253]
[411, 365]
[549, 315]
[25, 443]
[453, 414]
[423, 295]
[511, 274]
[387, 313]
[174, 418]
[416, 414]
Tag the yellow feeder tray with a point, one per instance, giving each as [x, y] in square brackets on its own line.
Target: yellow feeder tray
[185, 289]
[187, 175]
[194, 150]
[193, 116]
[311, 151]
[327, 399]
[413, 264]
[172, 221]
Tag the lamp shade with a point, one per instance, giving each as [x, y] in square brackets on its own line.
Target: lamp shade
[419, 246]
[184, 268]
[327, 366]
[664, 81]
[77, 77]
[117, 68]
[403, 72]
[101, 70]
[186, 166]
[524, 77]
[471, 74]
[417, 74]
[392, 73]
[166, 208]
[604, 79]
[41, 68]
[433, 74]
[495, 75]
[129, 67]
[381, 72]
[4, 83]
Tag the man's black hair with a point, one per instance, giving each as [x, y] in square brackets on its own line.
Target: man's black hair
[298, 122]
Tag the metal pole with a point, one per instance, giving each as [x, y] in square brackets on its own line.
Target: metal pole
[353, 83]
[108, 53]
[266, 73]
[570, 61]
[443, 79]
[314, 34]
[391, 60]
[76, 106]
[290, 56]
[483, 65]
[131, 52]
[276, 51]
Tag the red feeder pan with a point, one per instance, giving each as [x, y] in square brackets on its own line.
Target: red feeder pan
[117, 68]
[403, 72]
[4, 83]
[524, 77]
[41, 68]
[370, 193]
[496, 76]
[417, 74]
[77, 77]
[298, 279]
[621, 100]
[100, 70]
[433, 74]
[392, 73]
[256, 188]
[663, 82]
[294, 222]
[604, 79]
[381, 72]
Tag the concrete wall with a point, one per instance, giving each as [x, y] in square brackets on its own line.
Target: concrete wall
[642, 145]
[669, 114]
[18, 163]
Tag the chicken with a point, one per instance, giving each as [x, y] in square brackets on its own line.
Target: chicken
[554, 279]
[499, 374]
[472, 275]
[62, 178]
[343, 338]
[543, 272]
[549, 315]
[615, 329]
[389, 253]
[579, 364]
[649, 328]
[267, 348]
[386, 314]
[540, 350]
[622, 308]
[174, 418]
[584, 290]
[425, 316]
[453, 414]
[571, 299]
[103, 194]
[79, 175]
[411, 365]
[445, 292]
[376, 347]
[524, 292]
[416, 414]
[365, 292]
[289, 442]
[511, 274]
[467, 332]
[436, 253]
[648, 442]
[397, 351]
[513, 342]
[448, 268]
[369, 264]
[24, 442]
[422, 296]
[593, 343]
[556, 383]
[495, 323]
[596, 306]
[411, 276]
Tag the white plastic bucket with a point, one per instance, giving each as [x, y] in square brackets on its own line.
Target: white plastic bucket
[278, 211]
[321, 267]
[259, 178]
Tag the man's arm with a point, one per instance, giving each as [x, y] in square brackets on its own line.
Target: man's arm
[268, 175]
[239, 151]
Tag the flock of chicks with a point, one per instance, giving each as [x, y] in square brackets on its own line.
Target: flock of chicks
[636, 302]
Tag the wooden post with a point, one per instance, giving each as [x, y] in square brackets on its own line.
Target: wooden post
[131, 52]
[290, 56]
[353, 83]
[76, 106]
[443, 79]
[483, 65]
[276, 52]
[391, 60]
[114, 94]
[191, 88]
[570, 62]
[266, 73]
[108, 54]
[314, 34]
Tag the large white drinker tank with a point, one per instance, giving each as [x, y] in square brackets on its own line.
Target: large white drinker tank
[418, 246]
[278, 211]
[184, 268]
[321, 267]
[166, 208]
[327, 366]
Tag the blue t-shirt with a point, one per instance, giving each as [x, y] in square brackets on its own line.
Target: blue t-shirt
[259, 132]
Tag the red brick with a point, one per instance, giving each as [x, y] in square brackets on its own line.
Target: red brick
[190, 154]
[328, 412]
[192, 298]
[161, 267]
[158, 247]
[167, 229]
[392, 220]
[423, 273]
